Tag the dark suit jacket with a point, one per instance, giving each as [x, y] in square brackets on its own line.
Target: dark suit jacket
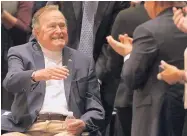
[109, 64]
[81, 87]
[155, 40]
[104, 18]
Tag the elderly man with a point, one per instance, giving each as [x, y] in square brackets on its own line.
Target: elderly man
[49, 80]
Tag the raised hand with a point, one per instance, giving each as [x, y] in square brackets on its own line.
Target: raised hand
[54, 73]
[123, 47]
[180, 19]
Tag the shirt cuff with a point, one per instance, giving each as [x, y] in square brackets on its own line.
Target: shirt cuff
[32, 79]
[126, 57]
[100, 82]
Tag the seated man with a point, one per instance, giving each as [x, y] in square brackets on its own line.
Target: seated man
[48, 80]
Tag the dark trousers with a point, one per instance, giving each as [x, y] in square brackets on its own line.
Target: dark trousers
[184, 133]
[123, 121]
[108, 116]
[172, 116]
[108, 93]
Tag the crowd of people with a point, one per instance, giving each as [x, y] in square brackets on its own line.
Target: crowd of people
[66, 66]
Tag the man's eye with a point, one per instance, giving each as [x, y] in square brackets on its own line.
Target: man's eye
[62, 25]
[52, 26]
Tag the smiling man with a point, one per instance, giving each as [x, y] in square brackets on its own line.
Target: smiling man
[50, 80]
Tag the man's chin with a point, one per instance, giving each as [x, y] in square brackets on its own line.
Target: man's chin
[59, 44]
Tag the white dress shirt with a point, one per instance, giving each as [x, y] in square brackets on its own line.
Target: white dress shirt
[55, 99]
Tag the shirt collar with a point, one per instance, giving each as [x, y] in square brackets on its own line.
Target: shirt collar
[54, 55]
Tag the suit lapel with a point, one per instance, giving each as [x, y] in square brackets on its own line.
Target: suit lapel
[102, 6]
[68, 61]
[77, 6]
[38, 58]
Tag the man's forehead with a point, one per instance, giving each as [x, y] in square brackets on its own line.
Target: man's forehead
[59, 20]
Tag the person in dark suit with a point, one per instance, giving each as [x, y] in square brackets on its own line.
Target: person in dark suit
[170, 73]
[154, 102]
[125, 23]
[181, 22]
[49, 81]
[105, 15]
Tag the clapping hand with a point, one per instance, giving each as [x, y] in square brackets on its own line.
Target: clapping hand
[124, 47]
[180, 19]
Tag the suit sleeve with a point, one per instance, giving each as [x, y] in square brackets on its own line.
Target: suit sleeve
[137, 68]
[18, 79]
[94, 115]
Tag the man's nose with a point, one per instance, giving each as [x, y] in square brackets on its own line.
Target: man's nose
[58, 29]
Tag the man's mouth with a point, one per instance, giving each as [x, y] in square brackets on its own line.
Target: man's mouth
[57, 38]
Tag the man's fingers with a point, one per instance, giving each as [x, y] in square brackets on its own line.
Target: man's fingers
[60, 70]
[112, 42]
[121, 38]
[124, 39]
[177, 15]
[63, 68]
[180, 23]
[174, 9]
[126, 35]
[58, 78]
[159, 76]
[185, 9]
[75, 124]
[164, 65]
[57, 73]
[130, 40]
[177, 19]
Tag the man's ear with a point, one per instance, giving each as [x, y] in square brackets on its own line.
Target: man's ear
[35, 32]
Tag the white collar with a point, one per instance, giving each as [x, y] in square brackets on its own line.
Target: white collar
[53, 55]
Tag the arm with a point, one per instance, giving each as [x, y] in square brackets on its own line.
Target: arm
[126, 22]
[22, 19]
[18, 79]
[94, 115]
[136, 69]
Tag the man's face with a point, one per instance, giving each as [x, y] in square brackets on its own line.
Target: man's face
[52, 31]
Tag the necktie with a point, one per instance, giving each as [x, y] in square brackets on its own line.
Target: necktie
[87, 37]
